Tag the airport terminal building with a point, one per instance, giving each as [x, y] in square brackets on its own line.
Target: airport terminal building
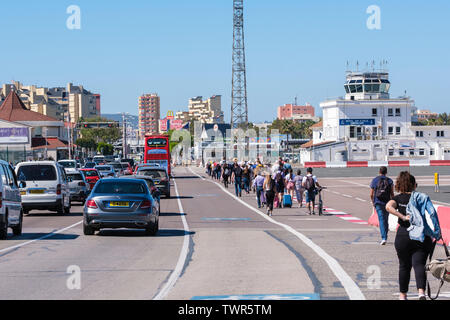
[367, 125]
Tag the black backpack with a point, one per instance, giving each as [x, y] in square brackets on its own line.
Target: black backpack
[310, 184]
[383, 190]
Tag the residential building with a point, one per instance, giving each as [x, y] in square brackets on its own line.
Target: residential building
[205, 111]
[297, 113]
[368, 125]
[423, 115]
[57, 102]
[149, 114]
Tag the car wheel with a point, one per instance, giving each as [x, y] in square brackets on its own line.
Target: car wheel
[17, 230]
[4, 229]
[88, 231]
[60, 208]
[67, 210]
[153, 229]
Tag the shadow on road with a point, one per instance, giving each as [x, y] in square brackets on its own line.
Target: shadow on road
[54, 214]
[186, 177]
[34, 236]
[128, 233]
[181, 197]
[171, 214]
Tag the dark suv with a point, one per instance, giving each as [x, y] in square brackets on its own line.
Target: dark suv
[159, 176]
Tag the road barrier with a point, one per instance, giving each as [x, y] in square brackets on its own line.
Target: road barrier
[443, 215]
[371, 164]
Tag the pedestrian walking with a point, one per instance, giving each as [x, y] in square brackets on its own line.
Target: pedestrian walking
[246, 179]
[310, 183]
[269, 189]
[258, 184]
[289, 182]
[226, 173]
[299, 190]
[236, 177]
[382, 191]
[413, 241]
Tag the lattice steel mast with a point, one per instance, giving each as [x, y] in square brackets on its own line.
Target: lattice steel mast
[239, 109]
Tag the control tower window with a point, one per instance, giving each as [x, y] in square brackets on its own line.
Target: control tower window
[359, 88]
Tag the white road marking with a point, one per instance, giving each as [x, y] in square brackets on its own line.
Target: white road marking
[183, 254]
[351, 218]
[352, 289]
[41, 238]
[362, 200]
[347, 196]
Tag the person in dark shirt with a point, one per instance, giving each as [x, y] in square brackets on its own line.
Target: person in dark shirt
[381, 192]
[411, 253]
[236, 177]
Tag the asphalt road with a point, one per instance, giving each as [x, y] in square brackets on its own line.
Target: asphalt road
[210, 246]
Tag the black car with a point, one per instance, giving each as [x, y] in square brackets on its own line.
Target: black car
[160, 177]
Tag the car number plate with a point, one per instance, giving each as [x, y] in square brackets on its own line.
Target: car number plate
[119, 204]
[37, 191]
[23, 193]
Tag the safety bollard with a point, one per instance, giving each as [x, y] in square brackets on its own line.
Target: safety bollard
[436, 182]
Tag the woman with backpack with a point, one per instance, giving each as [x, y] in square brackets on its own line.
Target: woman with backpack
[269, 190]
[413, 241]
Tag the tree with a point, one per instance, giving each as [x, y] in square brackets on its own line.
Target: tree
[105, 148]
[107, 135]
[89, 144]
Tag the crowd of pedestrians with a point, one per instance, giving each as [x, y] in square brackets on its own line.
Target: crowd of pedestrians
[274, 185]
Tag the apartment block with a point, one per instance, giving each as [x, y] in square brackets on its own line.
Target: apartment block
[57, 102]
[297, 113]
[205, 111]
[149, 114]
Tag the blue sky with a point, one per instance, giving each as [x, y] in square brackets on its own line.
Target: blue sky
[182, 49]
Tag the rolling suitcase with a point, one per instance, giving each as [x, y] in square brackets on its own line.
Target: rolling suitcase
[287, 201]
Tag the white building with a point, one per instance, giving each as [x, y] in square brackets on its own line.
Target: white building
[367, 125]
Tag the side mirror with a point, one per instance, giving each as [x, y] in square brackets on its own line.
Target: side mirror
[22, 184]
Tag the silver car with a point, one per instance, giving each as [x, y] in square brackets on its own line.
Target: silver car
[79, 188]
[121, 203]
[106, 171]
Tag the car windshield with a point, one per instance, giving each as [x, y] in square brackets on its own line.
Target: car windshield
[104, 168]
[68, 164]
[119, 187]
[90, 173]
[37, 173]
[155, 174]
[76, 177]
[116, 165]
[89, 165]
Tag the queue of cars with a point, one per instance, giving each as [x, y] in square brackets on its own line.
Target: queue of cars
[114, 195]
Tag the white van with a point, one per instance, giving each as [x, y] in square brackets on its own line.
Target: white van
[47, 186]
[11, 214]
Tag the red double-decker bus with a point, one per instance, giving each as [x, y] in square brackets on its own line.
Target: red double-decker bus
[157, 151]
